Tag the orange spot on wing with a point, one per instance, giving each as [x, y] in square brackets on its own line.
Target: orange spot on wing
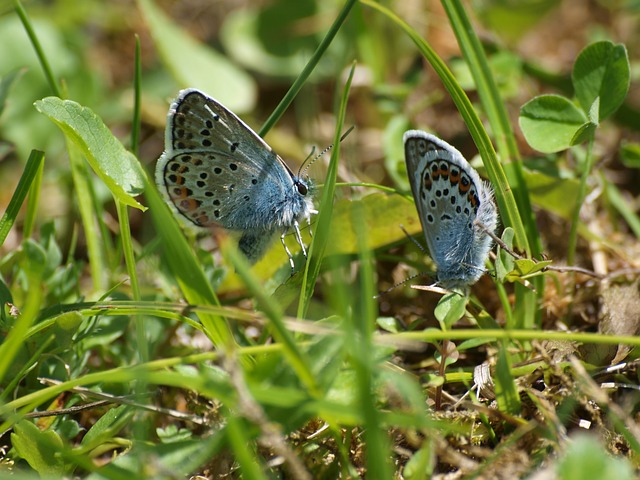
[473, 199]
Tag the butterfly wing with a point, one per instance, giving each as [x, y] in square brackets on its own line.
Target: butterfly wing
[449, 196]
[216, 170]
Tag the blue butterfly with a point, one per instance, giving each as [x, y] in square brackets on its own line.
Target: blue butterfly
[215, 170]
[451, 199]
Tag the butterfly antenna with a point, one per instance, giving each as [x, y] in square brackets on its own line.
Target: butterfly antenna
[303, 172]
[399, 284]
[415, 242]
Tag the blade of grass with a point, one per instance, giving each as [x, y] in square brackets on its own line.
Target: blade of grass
[306, 71]
[80, 175]
[365, 361]
[130, 262]
[29, 177]
[622, 205]
[582, 193]
[505, 385]
[243, 448]
[475, 57]
[529, 315]
[137, 95]
[123, 214]
[24, 18]
[32, 202]
[323, 225]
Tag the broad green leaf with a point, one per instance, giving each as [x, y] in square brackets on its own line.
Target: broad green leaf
[196, 65]
[38, 448]
[602, 70]
[397, 209]
[550, 122]
[118, 168]
[552, 192]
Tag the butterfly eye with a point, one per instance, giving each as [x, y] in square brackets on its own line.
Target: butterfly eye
[302, 188]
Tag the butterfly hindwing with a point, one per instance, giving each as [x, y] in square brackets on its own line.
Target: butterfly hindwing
[449, 196]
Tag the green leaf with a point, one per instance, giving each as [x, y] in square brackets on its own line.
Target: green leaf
[505, 386]
[450, 309]
[38, 448]
[195, 65]
[550, 122]
[66, 325]
[372, 207]
[594, 111]
[552, 192]
[107, 426]
[118, 168]
[388, 324]
[526, 267]
[504, 261]
[585, 133]
[35, 257]
[587, 458]
[602, 70]
[420, 465]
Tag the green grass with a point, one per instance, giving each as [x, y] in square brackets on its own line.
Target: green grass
[157, 352]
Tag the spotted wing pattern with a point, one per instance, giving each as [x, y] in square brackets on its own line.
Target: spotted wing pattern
[450, 197]
[216, 170]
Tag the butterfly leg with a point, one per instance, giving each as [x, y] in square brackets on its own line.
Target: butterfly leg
[296, 227]
[309, 223]
[286, 249]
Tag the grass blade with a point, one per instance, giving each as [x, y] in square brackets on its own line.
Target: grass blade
[323, 225]
[31, 172]
[306, 71]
